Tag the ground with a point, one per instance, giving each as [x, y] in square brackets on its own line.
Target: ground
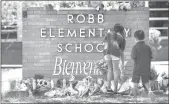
[106, 98]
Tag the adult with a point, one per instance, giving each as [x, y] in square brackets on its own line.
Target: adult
[114, 45]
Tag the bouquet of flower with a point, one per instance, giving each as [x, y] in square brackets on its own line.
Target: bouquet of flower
[154, 39]
[136, 4]
[102, 66]
[153, 74]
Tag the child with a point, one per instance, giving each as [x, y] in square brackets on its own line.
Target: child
[113, 54]
[142, 55]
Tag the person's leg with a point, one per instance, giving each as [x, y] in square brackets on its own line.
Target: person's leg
[146, 83]
[135, 89]
[110, 71]
[135, 80]
[149, 92]
[116, 73]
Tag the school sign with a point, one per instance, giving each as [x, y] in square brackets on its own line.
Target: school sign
[61, 43]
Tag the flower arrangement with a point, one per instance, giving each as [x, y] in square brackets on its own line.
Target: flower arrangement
[136, 4]
[153, 74]
[102, 66]
[163, 81]
[154, 39]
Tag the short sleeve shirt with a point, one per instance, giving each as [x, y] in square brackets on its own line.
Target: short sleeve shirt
[115, 47]
[142, 55]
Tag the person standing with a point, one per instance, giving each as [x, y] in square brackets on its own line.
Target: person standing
[114, 46]
[141, 54]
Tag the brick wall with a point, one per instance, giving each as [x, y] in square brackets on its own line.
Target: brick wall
[39, 53]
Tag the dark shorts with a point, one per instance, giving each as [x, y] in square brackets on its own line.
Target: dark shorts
[144, 78]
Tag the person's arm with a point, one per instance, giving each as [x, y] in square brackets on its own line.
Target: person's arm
[122, 43]
[105, 45]
[151, 53]
[122, 62]
[133, 53]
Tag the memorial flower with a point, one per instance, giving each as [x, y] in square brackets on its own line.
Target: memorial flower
[154, 38]
[102, 66]
[154, 74]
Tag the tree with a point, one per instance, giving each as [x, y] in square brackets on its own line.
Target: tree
[9, 15]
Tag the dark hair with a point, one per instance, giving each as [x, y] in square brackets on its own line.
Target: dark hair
[108, 36]
[139, 34]
[119, 28]
[112, 35]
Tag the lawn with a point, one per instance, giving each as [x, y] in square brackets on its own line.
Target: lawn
[104, 98]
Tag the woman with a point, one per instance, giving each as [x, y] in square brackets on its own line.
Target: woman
[114, 45]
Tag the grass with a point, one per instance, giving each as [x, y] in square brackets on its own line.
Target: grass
[104, 98]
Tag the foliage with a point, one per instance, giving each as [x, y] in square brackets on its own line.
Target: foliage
[154, 38]
[102, 66]
[9, 13]
[136, 4]
[9, 8]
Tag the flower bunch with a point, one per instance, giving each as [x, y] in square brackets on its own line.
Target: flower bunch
[163, 81]
[115, 5]
[102, 66]
[136, 4]
[153, 73]
[154, 39]
[125, 6]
